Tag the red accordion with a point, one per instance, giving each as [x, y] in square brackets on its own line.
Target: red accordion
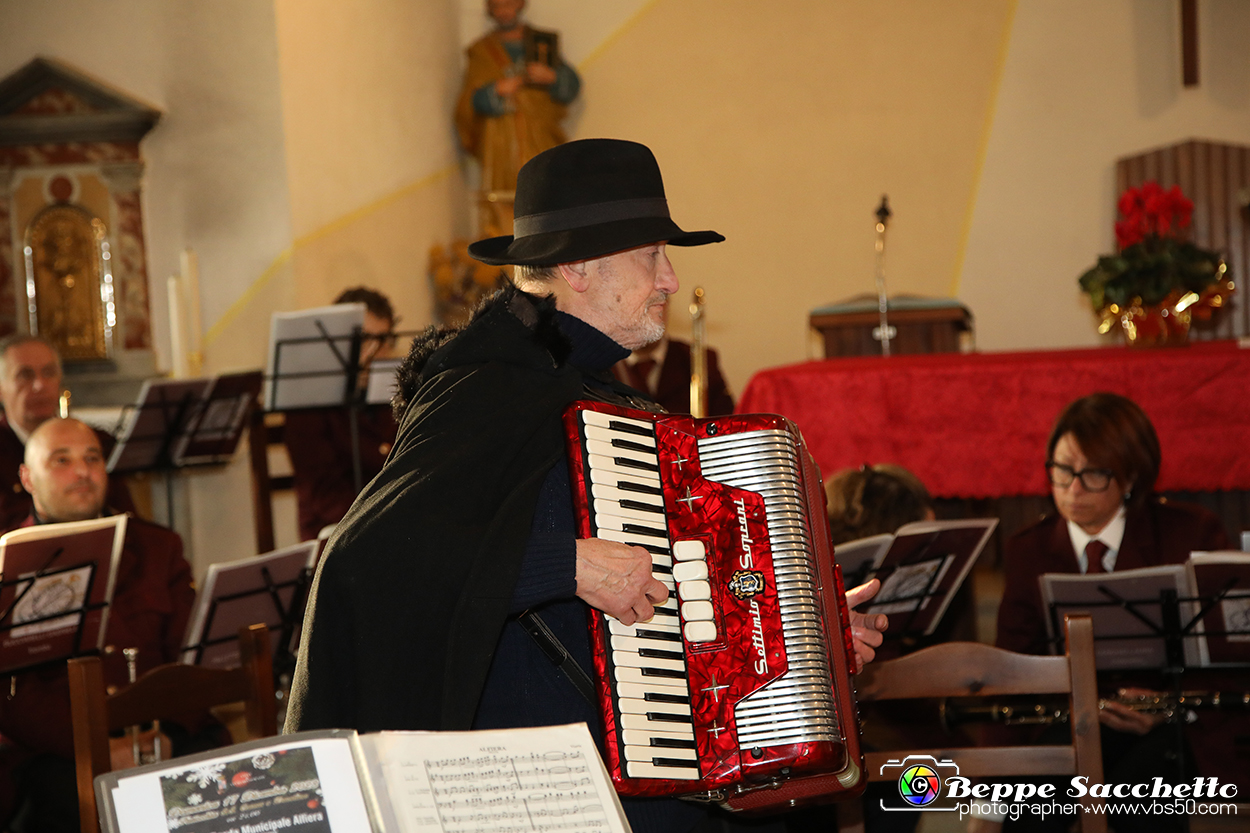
[739, 689]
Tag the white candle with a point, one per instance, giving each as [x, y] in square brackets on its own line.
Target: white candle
[177, 337]
[191, 296]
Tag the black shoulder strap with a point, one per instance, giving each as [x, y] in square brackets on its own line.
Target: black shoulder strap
[558, 654]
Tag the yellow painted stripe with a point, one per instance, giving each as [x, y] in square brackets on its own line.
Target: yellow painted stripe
[1003, 48]
[284, 257]
[241, 303]
[220, 326]
[607, 42]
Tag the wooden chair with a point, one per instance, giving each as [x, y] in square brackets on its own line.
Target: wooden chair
[971, 669]
[265, 430]
[173, 692]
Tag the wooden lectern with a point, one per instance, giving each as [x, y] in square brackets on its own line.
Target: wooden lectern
[919, 325]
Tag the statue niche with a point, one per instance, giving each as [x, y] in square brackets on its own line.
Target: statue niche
[69, 286]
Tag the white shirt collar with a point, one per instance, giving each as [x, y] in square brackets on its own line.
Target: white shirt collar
[1112, 535]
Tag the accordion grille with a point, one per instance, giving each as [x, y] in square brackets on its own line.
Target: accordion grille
[798, 707]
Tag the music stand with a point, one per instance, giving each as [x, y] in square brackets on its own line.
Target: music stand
[314, 362]
[177, 423]
[56, 586]
[921, 570]
[1152, 618]
[269, 589]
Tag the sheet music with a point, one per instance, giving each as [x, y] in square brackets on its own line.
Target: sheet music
[544, 779]
[381, 381]
[310, 372]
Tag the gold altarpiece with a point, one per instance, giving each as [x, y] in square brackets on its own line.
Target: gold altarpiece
[73, 260]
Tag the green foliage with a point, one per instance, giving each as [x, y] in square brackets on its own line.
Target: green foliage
[1151, 271]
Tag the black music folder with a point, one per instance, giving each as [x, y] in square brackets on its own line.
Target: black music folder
[920, 567]
[56, 585]
[269, 589]
[338, 781]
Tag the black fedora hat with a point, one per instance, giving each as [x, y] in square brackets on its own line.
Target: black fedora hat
[586, 199]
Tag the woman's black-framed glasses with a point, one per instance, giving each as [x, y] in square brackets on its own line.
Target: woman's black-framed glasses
[1092, 480]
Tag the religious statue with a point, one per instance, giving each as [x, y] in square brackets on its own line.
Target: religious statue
[514, 97]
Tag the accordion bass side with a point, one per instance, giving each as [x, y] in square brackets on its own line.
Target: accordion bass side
[739, 689]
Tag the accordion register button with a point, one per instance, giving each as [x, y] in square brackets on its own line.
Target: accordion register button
[696, 612]
[689, 550]
[690, 570]
[701, 631]
[694, 591]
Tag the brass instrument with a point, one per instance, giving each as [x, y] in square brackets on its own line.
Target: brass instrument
[698, 356]
[883, 332]
[132, 673]
[1173, 707]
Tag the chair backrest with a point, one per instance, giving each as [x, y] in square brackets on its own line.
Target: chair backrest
[265, 430]
[171, 692]
[971, 669]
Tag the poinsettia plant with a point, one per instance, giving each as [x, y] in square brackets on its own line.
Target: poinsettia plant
[1156, 273]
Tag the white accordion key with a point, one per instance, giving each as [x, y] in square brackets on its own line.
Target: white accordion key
[650, 753]
[697, 612]
[689, 550]
[694, 591]
[700, 631]
[690, 570]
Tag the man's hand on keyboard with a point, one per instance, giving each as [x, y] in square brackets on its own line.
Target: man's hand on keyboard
[616, 579]
[865, 630]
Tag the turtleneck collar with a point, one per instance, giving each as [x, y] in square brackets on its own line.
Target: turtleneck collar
[592, 350]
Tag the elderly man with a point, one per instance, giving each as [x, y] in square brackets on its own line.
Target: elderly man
[412, 622]
[65, 476]
[30, 387]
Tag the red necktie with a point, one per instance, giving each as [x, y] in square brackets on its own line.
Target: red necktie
[1094, 551]
[639, 372]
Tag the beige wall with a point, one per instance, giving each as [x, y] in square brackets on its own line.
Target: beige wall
[781, 125]
[366, 93]
[1084, 85]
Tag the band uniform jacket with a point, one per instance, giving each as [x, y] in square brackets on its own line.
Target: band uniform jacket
[152, 602]
[319, 442]
[1155, 533]
[672, 383]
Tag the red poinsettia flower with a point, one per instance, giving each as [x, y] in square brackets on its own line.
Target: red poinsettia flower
[1149, 211]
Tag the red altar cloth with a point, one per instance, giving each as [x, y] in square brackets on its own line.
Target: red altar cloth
[976, 425]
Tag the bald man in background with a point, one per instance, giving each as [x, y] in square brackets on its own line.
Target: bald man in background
[30, 390]
[64, 473]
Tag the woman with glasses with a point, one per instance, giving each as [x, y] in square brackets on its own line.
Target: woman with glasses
[1102, 461]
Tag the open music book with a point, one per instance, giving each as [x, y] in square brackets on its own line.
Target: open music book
[1129, 621]
[56, 585]
[920, 567]
[548, 778]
